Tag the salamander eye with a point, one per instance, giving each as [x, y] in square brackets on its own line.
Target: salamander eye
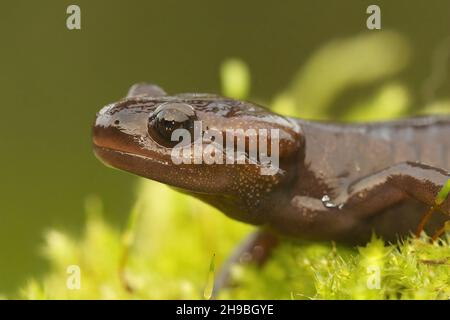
[167, 118]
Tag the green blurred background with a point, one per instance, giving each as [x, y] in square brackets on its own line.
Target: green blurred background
[54, 80]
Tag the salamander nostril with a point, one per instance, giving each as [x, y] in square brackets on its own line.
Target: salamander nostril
[116, 122]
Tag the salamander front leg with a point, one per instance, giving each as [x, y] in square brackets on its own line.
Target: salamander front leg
[256, 248]
[419, 181]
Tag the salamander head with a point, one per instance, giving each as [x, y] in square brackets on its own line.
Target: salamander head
[196, 142]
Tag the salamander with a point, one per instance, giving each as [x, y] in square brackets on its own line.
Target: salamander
[335, 181]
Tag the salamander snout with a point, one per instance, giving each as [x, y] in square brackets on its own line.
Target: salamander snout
[121, 127]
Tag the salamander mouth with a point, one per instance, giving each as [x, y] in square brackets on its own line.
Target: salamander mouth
[113, 143]
[109, 156]
[140, 165]
[114, 158]
[182, 177]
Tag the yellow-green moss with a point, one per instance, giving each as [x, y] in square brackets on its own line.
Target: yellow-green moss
[175, 237]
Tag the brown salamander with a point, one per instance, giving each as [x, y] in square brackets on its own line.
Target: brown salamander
[335, 181]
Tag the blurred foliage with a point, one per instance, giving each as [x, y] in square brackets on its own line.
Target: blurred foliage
[341, 64]
[235, 79]
[167, 249]
[346, 64]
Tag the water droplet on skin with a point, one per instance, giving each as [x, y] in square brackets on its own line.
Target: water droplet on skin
[329, 204]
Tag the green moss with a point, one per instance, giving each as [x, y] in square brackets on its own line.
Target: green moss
[170, 247]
